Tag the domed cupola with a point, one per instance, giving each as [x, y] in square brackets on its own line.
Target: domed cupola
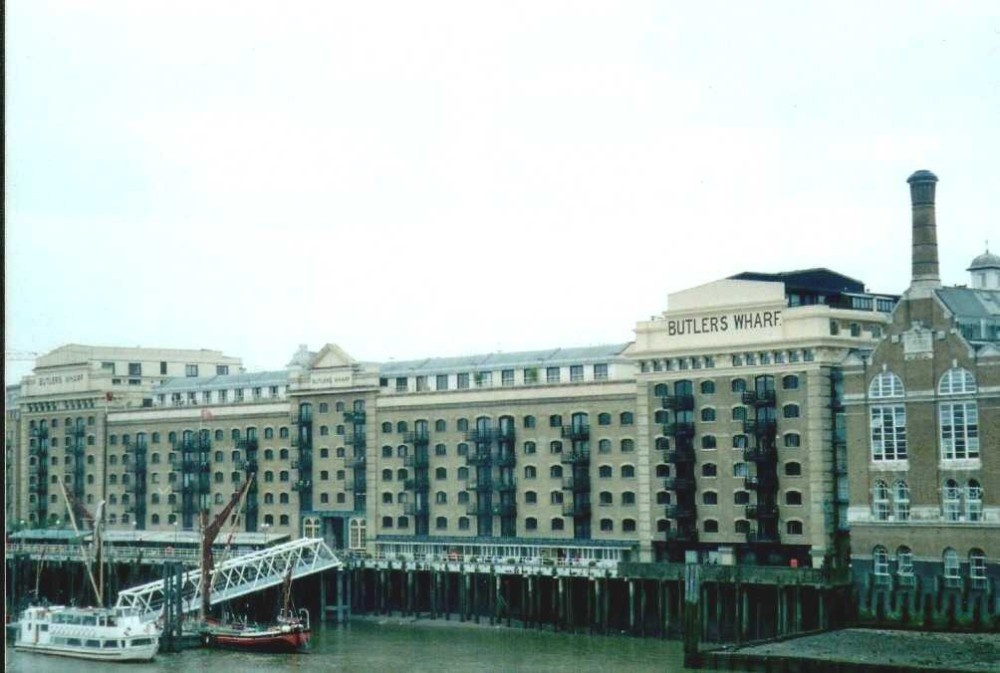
[985, 270]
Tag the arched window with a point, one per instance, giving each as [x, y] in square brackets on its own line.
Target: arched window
[555, 447]
[401, 451]
[626, 418]
[628, 525]
[977, 568]
[793, 498]
[739, 413]
[901, 500]
[904, 565]
[708, 387]
[628, 498]
[880, 501]
[793, 469]
[557, 523]
[951, 501]
[441, 523]
[708, 414]
[880, 562]
[738, 385]
[951, 567]
[387, 498]
[530, 472]
[530, 498]
[628, 446]
[604, 471]
[660, 390]
[793, 527]
[711, 526]
[604, 419]
[708, 442]
[401, 427]
[387, 474]
[462, 474]
[885, 385]
[973, 501]
[957, 381]
[710, 498]
[708, 470]
[440, 473]
[789, 382]
[402, 522]
[741, 498]
[792, 440]
[387, 427]
[790, 411]
[607, 526]
[269, 498]
[531, 523]
[556, 472]
[628, 472]
[387, 522]
[387, 451]
[555, 498]
[359, 535]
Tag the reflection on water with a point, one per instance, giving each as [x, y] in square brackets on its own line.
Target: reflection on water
[395, 645]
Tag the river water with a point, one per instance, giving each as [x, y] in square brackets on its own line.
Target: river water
[391, 645]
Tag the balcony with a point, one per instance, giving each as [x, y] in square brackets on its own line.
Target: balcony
[416, 509]
[303, 464]
[576, 509]
[761, 511]
[760, 455]
[506, 459]
[417, 437]
[137, 487]
[356, 439]
[248, 465]
[480, 435]
[678, 402]
[247, 444]
[303, 417]
[680, 512]
[576, 432]
[193, 443]
[577, 483]
[76, 431]
[504, 433]
[760, 482]
[507, 485]
[678, 484]
[483, 459]
[479, 509]
[759, 398]
[76, 450]
[764, 428]
[38, 451]
[479, 485]
[302, 485]
[40, 432]
[417, 484]
[356, 486]
[189, 464]
[505, 509]
[134, 447]
[682, 534]
[575, 458]
[679, 429]
[676, 456]
[762, 537]
[355, 417]
[417, 460]
[355, 462]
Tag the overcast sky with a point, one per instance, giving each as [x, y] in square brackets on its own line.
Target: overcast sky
[418, 179]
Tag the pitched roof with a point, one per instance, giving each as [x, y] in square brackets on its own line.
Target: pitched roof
[490, 361]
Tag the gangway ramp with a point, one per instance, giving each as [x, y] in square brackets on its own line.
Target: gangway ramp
[237, 576]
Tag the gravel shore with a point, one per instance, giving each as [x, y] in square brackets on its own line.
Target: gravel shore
[921, 650]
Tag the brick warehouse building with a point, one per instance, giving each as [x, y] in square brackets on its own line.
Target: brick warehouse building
[923, 424]
[726, 432]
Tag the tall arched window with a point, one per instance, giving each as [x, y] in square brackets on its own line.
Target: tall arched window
[951, 501]
[973, 501]
[358, 533]
[951, 567]
[880, 501]
[880, 563]
[904, 565]
[959, 419]
[901, 500]
[977, 568]
[310, 527]
[888, 421]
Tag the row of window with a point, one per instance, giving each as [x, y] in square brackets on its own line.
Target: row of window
[485, 379]
[736, 385]
[957, 502]
[958, 421]
[950, 559]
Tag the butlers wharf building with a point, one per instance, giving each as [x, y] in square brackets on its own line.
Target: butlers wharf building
[569, 486]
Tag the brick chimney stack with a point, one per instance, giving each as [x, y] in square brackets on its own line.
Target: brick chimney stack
[926, 276]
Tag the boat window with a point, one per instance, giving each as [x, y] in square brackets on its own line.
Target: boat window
[73, 641]
[136, 642]
[45, 627]
[89, 621]
[93, 643]
[110, 643]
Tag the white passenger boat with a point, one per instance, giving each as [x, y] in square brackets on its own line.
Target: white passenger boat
[104, 634]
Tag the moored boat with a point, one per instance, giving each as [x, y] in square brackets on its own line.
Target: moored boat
[289, 633]
[103, 634]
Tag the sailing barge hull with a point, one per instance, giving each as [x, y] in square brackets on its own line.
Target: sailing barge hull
[279, 639]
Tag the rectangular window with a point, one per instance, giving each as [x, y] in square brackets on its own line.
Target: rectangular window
[163, 368]
[463, 381]
[442, 382]
[888, 426]
[109, 366]
[422, 385]
[221, 370]
[959, 431]
[576, 373]
[401, 384]
[601, 372]
[507, 377]
[484, 379]
[191, 370]
[552, 375]
[257, 393]
[135, 369]
[530, 376]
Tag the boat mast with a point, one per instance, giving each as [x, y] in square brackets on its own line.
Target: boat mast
[208, 534]
[83, 552]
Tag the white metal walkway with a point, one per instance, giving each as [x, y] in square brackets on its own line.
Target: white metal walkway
[237, 576]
